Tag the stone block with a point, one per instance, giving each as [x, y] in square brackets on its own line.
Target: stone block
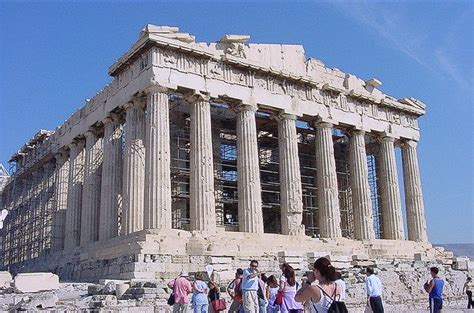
[37, 302]
[34, 282]
[180, 259]
[360, 257]
[341, 258]
[5, 279]
[461, 265]
[341, 265]
[362, 263]
[120, 289]
[219, 260]
[420, 257]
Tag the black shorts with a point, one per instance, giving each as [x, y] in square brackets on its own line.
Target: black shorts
[435, 305]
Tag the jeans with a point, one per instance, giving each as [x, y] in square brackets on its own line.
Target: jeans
[201, 308]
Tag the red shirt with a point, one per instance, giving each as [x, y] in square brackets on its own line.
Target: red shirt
[181, 288]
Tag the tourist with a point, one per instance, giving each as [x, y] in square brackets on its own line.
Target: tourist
[271, 294]
[326, 293]
[434, 288]
[262, 297]
[341, 283]
[250, 288]
[468, 286]
[374, 291]
[181, 288]
[288, 286]
[235, 291]
[200, 289]
[213, 295]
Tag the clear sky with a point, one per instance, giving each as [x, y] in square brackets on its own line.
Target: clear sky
[54, 55]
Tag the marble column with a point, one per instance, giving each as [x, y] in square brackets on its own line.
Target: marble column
[60, 196]
[361, 201]
[91, 189]
[413, 195]
[248, 171]
[157, 160]
[74, 199]
[35, 217]
[326, 178]
[291, 195]
[134, 168]
[202, 201]
[48, 201]
[392, 224]
[111, 182]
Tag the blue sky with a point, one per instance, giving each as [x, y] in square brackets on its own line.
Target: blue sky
[54, 55]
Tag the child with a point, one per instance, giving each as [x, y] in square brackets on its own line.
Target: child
[272, 290]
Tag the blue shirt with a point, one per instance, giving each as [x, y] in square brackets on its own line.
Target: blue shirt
[437, 291]
[200, 298]
[249, 283]
[374, 286]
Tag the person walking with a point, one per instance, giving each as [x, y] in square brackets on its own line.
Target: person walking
[374, 291]
[468, 287]
[200, 303]
[434, 288]
[235, 291]
[181, 288]
[288, 286]
[324, 295]
[250, 288]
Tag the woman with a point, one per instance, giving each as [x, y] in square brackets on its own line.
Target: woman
[200, 303]
[326, 292]
[214, 294]
[468, 287]
[288, 286]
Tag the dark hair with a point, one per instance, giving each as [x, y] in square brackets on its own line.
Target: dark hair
[198, 276]
[289, 273]
[369, 270]
[263, 277]
[283, 266]
[240, 271]
[272, 280]
[254, 261]
[434, 269]
[323, 265]
[468, 278]
[338, 275]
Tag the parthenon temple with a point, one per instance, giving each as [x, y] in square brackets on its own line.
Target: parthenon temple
[200, 151]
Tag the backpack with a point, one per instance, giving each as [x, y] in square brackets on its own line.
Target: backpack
[336, 306]
[238, 288]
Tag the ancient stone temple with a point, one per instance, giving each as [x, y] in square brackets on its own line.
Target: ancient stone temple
[200, 153]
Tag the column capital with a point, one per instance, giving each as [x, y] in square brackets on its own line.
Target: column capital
[356, 132]
[91, 132]
[405, 143]
[385, 139]
[49, 165]
[284, 116]
[111, 117]
[61, 156]
[134, 104]
[155, 88]
[77, 142]
[197, 96]
[239, 106]
[322, 124]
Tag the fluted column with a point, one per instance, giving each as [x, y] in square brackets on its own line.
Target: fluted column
[111, 182]
[157, 160]
[91, 191]
[202, 201]
[413, 195]
[48, 200]
[326, 177]
[74, 199]
[248, 171]
[60, 196]
[291, 195]
[134, 169]
[361, 201]
[390, 192]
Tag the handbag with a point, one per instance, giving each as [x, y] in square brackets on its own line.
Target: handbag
[171, 300]
[218, 305]
[279, 298]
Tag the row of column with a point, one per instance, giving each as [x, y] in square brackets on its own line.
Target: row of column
[97, 185]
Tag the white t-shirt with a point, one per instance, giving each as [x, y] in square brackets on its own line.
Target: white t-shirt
[342, 283]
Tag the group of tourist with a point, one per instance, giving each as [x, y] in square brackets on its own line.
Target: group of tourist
[321, 290]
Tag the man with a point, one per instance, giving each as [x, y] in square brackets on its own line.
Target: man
[374, 291]
[250, 287]
[434, 288]
[341, 283]
[235, 291]
[181, 288]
